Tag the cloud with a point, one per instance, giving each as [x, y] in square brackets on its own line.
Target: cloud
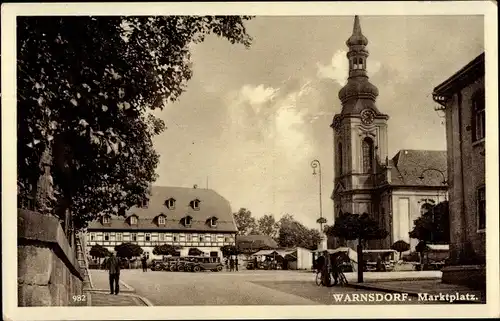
[338, 69]
[257, 95]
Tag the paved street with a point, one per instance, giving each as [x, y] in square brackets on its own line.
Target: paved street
[232, 288]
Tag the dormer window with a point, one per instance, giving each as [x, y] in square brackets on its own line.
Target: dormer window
[195, 204]
[187, 221]
[133, 220]
[170, 203]
[143, 203]
[161, 220]
[212, 221]
[105, 220]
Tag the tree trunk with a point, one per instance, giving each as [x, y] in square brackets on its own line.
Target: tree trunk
[361, 264]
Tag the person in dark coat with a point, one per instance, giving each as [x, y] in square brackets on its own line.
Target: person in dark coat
[113, 265]
[236, 264]
[325, 273]
[144, 263]
[231, 264]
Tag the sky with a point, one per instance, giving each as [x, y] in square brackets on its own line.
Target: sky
[252, 120]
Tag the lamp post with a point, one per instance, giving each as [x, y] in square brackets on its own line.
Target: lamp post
[444, 182]
[316, 164]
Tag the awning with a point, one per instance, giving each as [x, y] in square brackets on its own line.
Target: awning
[438, 247]
[380, 251]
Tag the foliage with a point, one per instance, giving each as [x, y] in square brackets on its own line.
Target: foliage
[228, 250]
[434, 225]
[195, 252]
[400, 246]
[294, 234]
[165, 249]
[244, 221]
[421, 247]
[356, 227]
[267, 225]
[128, 250]
[86, 86]
[99, 251]
[321, 220]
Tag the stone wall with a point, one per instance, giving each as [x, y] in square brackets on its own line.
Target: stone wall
[48, 270]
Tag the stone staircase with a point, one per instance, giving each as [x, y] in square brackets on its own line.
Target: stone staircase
[82, 260]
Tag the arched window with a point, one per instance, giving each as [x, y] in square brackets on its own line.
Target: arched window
[360, 63]
[367, 155]
[341, 160]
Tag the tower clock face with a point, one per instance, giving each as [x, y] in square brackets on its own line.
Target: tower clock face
[367, 116]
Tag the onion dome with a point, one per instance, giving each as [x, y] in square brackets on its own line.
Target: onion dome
[360, 88]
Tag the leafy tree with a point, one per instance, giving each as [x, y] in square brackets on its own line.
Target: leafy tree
[434, 225]
[128, 250]
[228, 250]
[294, 234]
[267, 225]
[86, 86]
[99, 251]
[244, 221]
[357, 227]
[400, 246]
[165, 249]
[195, 252]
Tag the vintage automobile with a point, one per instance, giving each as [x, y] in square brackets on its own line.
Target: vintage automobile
[159, 265]
[189, 262]
[206, 263]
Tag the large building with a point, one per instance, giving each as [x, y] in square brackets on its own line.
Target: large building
[396, 190]
[463, 97]
[184, 217]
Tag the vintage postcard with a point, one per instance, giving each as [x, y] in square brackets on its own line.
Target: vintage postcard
[249, 160]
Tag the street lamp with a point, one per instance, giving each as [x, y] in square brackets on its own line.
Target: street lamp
[444, 182]
[316, 164]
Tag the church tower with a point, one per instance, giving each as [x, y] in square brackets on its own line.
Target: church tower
[359, 136]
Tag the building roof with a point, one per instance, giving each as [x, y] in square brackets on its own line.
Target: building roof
[256, 241]
[469, 73]
[408, 165]
[211, 205]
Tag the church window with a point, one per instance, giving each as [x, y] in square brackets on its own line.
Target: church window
[367, 155]
[479, 116]
[360, 62]
[341, 161]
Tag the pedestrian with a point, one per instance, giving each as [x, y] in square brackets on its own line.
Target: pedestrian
[231, 264]
[226, 263]
[236, 263]
[113, 265]
[327, 281]
[144, 263]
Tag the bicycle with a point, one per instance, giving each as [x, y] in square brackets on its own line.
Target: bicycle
[342, 279]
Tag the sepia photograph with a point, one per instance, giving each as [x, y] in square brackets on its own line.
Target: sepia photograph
[227, 159]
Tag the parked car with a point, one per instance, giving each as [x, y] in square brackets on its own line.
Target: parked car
[207, 263]
[159, 265]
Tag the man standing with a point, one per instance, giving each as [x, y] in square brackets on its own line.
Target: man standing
[114, 273]
[144, 263]
[236, 263]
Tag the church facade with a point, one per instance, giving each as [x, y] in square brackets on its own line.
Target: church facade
[394, 190]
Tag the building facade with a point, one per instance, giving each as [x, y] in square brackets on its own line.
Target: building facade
[395, 191]
[463, 98]
[184, 217]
